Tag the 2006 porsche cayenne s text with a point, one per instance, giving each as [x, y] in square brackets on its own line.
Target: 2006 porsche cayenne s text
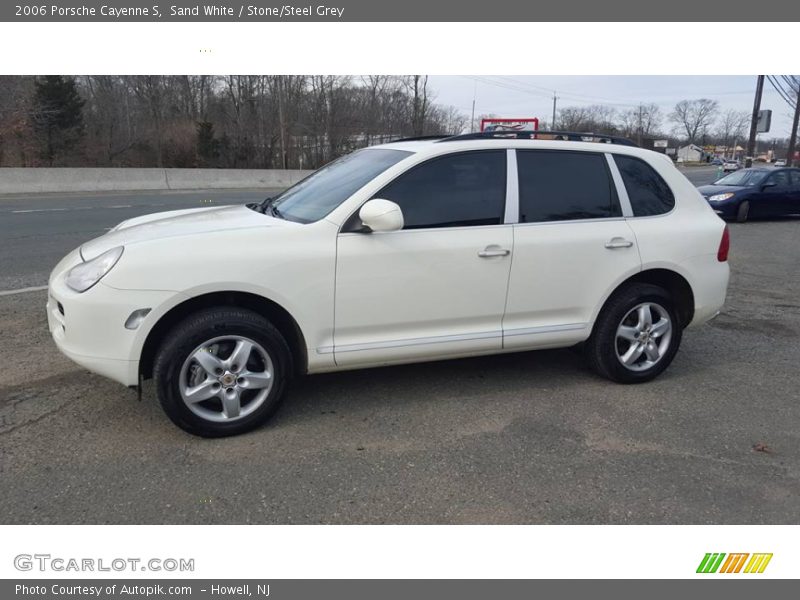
[410, 251]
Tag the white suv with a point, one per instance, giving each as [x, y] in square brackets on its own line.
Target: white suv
[410, 251]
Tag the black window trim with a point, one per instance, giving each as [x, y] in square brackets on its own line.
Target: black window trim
[613, 188]
[352, 224]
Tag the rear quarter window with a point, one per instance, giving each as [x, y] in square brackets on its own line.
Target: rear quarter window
[648, 192]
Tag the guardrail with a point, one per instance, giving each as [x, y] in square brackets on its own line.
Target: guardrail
[53, 180]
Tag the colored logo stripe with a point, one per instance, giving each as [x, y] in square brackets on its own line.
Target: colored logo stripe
[710, 562]
[734, 563]
[758, 563]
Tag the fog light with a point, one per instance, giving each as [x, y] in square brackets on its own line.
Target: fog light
[136, 318]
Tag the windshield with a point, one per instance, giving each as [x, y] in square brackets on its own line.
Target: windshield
[744, 178]
[322, 191]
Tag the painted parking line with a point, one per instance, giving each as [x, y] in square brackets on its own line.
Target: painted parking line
[37, 288]
[35, 210]
[115, 206]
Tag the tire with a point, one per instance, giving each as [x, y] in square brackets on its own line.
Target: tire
[608, 346]
[743, 211]
[199, 358]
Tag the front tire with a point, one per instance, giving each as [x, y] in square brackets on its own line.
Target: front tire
[743, 211]
[222, 371]
[636, 335]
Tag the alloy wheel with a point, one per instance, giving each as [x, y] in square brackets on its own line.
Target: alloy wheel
[643, 336]
[226, 378]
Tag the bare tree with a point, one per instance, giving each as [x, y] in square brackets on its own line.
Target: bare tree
[732, 127]
[694, 117]
[418, 86]
[641, 121]
[596, 118]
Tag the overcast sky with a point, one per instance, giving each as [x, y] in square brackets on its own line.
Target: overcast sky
[532, 96]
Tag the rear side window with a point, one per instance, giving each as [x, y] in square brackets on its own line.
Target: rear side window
[456, 190]
[558, 185]
[648, 192]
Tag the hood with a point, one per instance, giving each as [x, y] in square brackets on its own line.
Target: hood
[176, 223]
[710, 190]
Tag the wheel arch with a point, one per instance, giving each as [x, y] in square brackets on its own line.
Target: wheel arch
[274, 312]
[672, 281]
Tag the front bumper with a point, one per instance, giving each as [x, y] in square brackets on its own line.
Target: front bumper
[89, 328]
[725, 209]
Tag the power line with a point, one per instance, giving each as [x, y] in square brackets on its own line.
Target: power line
[779, 88]
[542, 92]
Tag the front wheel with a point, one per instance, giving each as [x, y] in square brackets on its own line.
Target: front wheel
[743, 212]
[222, 372]
[636, 335]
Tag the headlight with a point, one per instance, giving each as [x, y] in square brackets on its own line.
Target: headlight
[85, 275]
[720, 197]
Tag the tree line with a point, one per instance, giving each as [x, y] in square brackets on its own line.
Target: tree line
[699, 121]
[281, 121]
[236, 121]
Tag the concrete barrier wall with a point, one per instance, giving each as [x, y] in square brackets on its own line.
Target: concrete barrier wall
[46, 180]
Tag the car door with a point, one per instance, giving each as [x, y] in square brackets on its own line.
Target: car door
[437, 287]
[793, 202]
[773, 199]
[571, 245]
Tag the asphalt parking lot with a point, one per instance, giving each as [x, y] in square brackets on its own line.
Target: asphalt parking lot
[525, 438]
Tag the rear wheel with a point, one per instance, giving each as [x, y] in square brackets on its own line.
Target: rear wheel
[636, 335]
[222, 372]
[743, 211]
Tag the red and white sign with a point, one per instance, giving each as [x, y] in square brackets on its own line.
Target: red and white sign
[511, 125]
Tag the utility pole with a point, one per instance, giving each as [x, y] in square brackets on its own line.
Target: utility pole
[793, 138]
[553, 122]
[640, 127]
[474, 95]
[751, 144]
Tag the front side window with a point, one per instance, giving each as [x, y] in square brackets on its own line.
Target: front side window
[318, 194]
[779, 179]
[560, 185]
[456, 190]
[648, 192]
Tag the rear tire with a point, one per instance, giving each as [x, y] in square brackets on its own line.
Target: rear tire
[743, 212]
[222, 371]
[636, 335]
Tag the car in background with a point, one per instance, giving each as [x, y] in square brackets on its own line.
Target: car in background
[717, 162]
[781, 162]
[755, 192]
[731, 165]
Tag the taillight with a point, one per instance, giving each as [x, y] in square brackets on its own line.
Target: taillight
[724, 245]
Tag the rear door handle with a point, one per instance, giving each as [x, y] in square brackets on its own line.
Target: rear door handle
[618, 242]
[493, 251]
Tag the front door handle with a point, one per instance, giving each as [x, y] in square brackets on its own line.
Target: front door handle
[618, 242]
[493, 251]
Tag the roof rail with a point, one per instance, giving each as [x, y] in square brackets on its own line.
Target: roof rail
[420, 138]
[568, 136]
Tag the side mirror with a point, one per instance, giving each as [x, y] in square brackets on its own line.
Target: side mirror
[769, 184]
[381, 215]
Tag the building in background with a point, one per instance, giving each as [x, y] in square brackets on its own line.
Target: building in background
[692, 153]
